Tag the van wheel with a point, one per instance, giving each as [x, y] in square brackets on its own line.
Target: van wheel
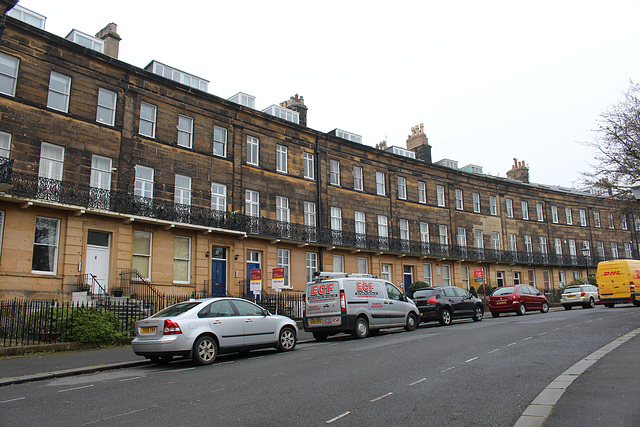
[412, 322]
[320, 336]
[609, 304]
[362, 328]
[445, 317]
[478, 313]
[521, 310]
[545, 307]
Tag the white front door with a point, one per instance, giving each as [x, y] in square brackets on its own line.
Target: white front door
[97, 263]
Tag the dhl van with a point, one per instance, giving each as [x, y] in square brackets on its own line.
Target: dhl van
[617, 281]
[359, 304]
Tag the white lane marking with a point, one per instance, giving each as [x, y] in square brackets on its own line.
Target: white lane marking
[509, 345]
[448, 369]
[417, 382]
[493, 351]
[542, 333]
[381, 397]
[118, 415]
[75, 388]
[131, 379]
[310, 348]
[527, 339]
[556, 329]
[184, 369]
[471, 360]
[12, 400]
[333, 345]
[337, 418]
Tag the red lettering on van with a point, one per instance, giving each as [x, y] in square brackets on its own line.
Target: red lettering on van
[364, 286]
[612, 273]
[321, 289]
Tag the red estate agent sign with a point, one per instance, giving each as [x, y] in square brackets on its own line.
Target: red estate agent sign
[277, 278]
[478, 274]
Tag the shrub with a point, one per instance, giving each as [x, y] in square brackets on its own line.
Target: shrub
[95, 326]
[418, 284]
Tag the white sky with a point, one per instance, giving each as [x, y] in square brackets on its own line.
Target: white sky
[490, 80]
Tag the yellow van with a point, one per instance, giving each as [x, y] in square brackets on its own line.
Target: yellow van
[617, 281]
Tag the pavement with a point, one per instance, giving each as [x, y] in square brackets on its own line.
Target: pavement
[603, 388]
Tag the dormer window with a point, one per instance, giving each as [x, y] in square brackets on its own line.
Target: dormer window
[283, 113]
[177, 75]
[348, 136]
[25, 15]
[83, 39]
[244, 99]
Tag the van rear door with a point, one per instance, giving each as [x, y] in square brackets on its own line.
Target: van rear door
[613, 280]
[323, 303]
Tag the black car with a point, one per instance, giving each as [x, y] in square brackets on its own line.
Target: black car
[445, 303]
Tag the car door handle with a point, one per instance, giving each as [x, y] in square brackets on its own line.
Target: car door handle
[248, 321]
[216, 322]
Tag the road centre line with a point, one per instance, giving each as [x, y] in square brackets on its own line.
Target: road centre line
[75, 388]
[527, 338]
[493, 351]
[131, 379]
[417, 382]
[12, 400]
[509, 345]
[542, 333]
[381, 397]
[556, 329]
[183, 369]
[471, 360]
[448, 369]
[337, 418]
[310, 348]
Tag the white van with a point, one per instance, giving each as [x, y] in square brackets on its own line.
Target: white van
[358, 304]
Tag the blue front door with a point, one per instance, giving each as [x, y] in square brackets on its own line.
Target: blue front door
[408, 277]
[218, 272]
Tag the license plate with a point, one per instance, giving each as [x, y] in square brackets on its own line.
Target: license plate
[148, 330]
[501, 302]
[315, 322]
[571, 296]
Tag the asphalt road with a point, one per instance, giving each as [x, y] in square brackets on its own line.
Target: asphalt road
[470, 373]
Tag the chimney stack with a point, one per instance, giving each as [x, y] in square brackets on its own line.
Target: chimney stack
[419, 143]
[111, 39]
[519, 171]
[296, 103]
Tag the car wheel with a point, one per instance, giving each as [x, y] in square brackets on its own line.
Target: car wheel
[521, 310]
[545, 307]
[320, 336]
[412, 322]
[362, 328]
[610, 304]
[495, 314]
[478, 313]
[591, 303]
[567, 307]
[445, 317]
[205, 350]
[286, 339]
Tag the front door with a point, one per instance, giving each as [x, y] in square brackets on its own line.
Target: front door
[97, 262]
[218, 271]
[408, 277]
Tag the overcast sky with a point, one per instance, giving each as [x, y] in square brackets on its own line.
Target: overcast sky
[490, 80]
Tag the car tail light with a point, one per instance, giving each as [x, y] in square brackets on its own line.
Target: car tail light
[582, 294]
[632, 287]
[343, 302]
[171, 328]
[432, 300]
[304, 306]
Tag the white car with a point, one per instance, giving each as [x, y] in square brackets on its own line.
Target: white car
[583, 295]
[200, 329]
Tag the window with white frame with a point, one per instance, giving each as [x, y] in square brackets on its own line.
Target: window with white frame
[459, 200]
[446, 275]
[181, 259]
[283, 214]
[363, 265]
[253, 151]
[637, 221]
[500, 275]
[532, 277]
[493, 205]
[569, 215]
[51, 161]
[464, 273]
[539, 212]
[309, 214]
[284, 257]
[513, 246]
[476, 202]
[440, 195]
[219, 141]
[309, 166]
[252, 203]
[424, 236]
[576, 274]
[583, 217]
[462, 237]
[562, 278]
[147, 126]
[357, 178]
[572, 248]
[558, 246]
[610, 218]
[5, 144]
[495, 239]
[525, 209]
[281, 159]
[385, 272]
[45, 245]
[185, 131]
[426, 269]
[479, 241]
[380, 184]
[101, 172]
[361, 225]
[623, 223]
[334, 172]
[543, 245]
[143, 185]
[311, 265]
[404, 229]
[402, 188]
[106, 109]
[142, 253]
[218, 197]
[546, 276]
[383, 227]
[586, 248]
[517, 278]
[596, 219]
[614, 250]
[528, 244]
[8, 74]
[442, 232]
[509, 207]
[338, 263]
[600, 246]
[59, 92]
[422, 192]
[182, 194]
[336, 219]
[628, 253]
[554, 214]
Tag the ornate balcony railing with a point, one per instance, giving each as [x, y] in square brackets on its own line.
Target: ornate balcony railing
[31, 186]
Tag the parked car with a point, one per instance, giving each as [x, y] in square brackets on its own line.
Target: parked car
[518, 299]
[201, 329]
[445, 303]
[584, 295]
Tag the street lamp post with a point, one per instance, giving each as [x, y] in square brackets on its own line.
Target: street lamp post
[587, 256]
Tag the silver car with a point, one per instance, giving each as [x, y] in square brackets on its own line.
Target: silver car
[201, 329]
[583, 295]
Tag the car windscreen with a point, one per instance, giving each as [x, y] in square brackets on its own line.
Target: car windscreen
[571, 290]
[424, 293]
[505, 290]
[177, 309]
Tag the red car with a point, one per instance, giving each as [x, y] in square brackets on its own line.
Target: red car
[518, 299]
